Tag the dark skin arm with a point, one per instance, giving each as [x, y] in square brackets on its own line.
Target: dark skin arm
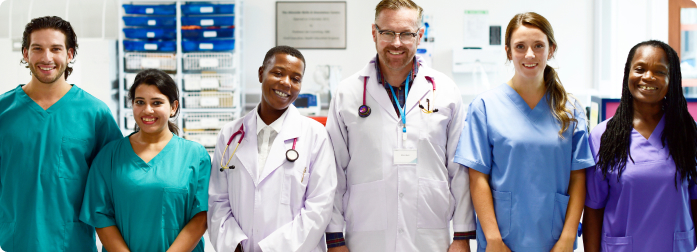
[191, 234]
[593, 228]
[112, 240]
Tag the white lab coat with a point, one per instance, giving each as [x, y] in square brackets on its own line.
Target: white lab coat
[388, 207]
[287, 208]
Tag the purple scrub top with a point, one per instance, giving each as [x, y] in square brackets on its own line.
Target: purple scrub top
[643, 210]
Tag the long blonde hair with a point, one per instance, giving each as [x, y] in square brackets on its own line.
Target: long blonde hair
[557, 94]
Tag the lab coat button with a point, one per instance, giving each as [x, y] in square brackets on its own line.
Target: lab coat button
[401, 230]
[401, 195]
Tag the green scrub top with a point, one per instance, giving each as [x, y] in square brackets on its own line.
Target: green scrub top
[45, 156]
[150, 203]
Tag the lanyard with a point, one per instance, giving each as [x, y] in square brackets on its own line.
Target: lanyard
[402, 108]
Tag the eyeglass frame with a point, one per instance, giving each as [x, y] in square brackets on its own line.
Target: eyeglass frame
[396, 34]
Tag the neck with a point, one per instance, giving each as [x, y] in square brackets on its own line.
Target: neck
[43, 91]
[269, 114]
[526, 86]
[395, 77]
[153, 138]
[647, 112]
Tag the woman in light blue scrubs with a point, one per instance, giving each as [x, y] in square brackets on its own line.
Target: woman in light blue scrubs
[149, 191]
[526, 145]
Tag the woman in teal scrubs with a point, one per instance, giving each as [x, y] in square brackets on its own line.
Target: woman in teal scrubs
[149, 191]
[526, 145]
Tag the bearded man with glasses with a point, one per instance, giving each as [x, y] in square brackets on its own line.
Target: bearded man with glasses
[394, 137]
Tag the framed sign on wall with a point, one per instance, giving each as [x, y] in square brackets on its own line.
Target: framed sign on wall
[311, 25]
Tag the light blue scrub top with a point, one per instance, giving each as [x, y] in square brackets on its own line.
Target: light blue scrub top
[45, 156]
[150, 203]
[528, 164]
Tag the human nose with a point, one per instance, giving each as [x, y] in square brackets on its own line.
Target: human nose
[649, 76]
[396, 41]
[529, 54]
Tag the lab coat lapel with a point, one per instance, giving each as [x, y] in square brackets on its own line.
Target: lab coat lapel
[284, 141]
[375, 90]
[420, 89]
[247, 152]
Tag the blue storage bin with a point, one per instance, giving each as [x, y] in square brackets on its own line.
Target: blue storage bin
[208, 33]
[208, 45]
[169, 9]
[209, 21]
[150, 46]
[150, 21]
[207, 8]
[150, 33]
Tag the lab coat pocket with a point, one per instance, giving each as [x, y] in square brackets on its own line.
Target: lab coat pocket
[7, 230]
[173, 208]
[617, 244]
[433, 204]
[365, 210]
[684, 241]
[561, 201]
[502, 209]
[73, 158]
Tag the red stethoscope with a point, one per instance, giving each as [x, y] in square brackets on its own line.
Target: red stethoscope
[291, 154]
[364, 110]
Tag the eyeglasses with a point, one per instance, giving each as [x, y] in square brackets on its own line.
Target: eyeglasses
[404, 37]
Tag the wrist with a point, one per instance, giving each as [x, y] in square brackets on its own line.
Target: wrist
[493, 238]
[568, 238]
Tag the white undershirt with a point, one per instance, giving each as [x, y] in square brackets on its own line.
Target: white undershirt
[266, 134]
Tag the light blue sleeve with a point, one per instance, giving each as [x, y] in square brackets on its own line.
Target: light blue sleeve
[474, 149]
[581, 152]
[203, 175]
[97, 204]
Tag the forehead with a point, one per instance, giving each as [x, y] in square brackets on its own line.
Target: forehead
[651, 55]
[47, 37]
[148, 90]
[526, 33]
[287, 61]
[400, 19]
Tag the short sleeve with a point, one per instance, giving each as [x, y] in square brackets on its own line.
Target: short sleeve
[582, 157]
[107, 130]
[203, 175]
[597, 186]
[473, 149]
[97, 204]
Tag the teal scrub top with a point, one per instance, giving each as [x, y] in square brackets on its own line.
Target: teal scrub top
[150, 203]
[528, 164]
[45, 156]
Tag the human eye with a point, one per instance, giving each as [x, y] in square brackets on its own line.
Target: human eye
[519, 46]
[387, 33]
[139, 102]
[539, 46]
[157, 103]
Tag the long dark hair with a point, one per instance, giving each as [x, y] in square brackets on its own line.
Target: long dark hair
[680, 132]
[165, 84]
[557, 94]
[51, 22]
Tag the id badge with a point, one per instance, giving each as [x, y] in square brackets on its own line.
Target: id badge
[405, 157]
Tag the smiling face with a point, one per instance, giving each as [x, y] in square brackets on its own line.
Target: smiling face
[396, 55]
[47, 55]
[281, 79]
[648, 76]
[152, 109]
[529, 51]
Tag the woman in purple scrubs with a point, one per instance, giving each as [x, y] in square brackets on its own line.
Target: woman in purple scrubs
[640, 195]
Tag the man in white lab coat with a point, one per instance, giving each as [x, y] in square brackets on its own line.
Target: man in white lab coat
[395, 126]
[274, 192]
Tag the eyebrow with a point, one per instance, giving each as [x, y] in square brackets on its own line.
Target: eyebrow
[54, 45]
[142, 98]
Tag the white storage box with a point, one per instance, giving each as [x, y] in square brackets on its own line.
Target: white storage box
[209, 60]
[162, 61]
[197, 82]
[131, 77]
[205, 138]
[210, 100]
[201, 121]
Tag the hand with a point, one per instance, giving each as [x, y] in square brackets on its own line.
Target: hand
[459, 246]
[338, 249]
[496, 246]
[563, 246]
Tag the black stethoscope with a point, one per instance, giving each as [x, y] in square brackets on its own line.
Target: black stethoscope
[364, 110]
[291, 154]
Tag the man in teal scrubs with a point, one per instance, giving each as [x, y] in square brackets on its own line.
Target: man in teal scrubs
[49, 133]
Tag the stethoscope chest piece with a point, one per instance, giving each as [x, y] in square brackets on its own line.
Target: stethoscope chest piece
[292, 155]
[363, 111]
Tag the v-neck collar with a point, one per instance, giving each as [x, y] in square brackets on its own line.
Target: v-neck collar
[522, 106]
[156, 158]
[655, 137]
[35, 106]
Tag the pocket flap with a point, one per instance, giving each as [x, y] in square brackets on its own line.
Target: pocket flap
[501, 195]
[564, 199]
[626, 240]
[685, 235]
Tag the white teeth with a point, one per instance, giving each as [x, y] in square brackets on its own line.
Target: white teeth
[279, 93]
[530, 65]
[148, 119]
[647, 88]
[395, 53]
[46, 69]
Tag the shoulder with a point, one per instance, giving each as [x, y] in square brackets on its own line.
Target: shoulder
[7, 98]
[598, 131]
[487, 98]
[110, 148]
[86, 100]
[191, 147]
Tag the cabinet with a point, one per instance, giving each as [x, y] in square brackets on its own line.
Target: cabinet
[198, 44]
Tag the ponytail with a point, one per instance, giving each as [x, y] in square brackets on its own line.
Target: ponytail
[557, 100]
